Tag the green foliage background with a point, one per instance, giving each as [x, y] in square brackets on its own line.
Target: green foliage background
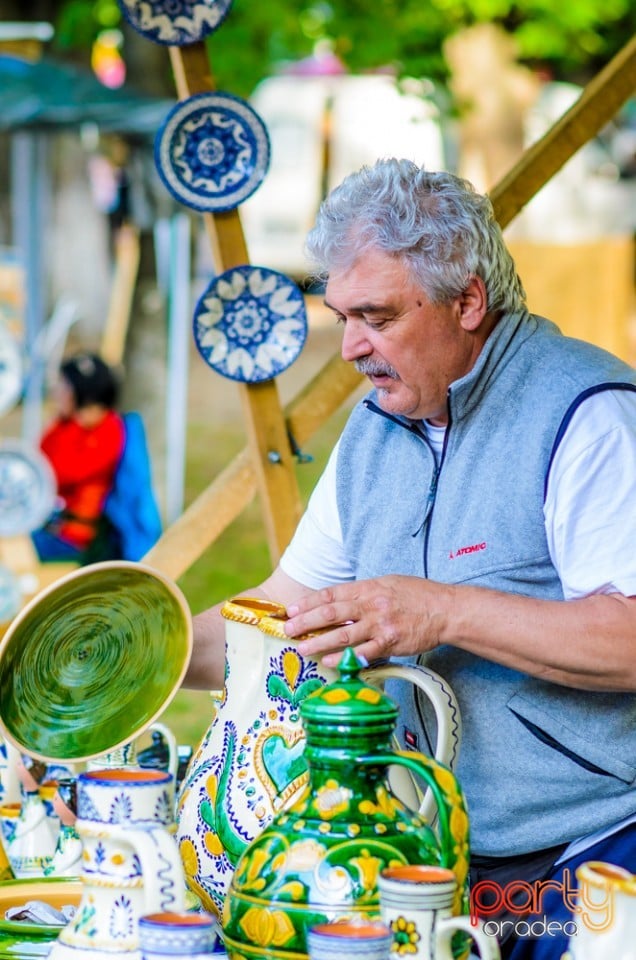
[572, 40]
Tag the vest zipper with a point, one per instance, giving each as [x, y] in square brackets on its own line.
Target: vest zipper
[432, 490]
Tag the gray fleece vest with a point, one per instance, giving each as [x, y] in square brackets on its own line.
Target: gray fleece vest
[540, 763]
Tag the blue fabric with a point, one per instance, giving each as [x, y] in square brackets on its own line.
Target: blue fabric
[618, 849]
[131, 506]
[50, 548]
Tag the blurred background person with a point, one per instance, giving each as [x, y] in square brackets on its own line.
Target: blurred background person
[84, 444]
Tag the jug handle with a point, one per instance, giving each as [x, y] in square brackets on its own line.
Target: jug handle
[173, 750]
[161, 866]
[453, 830]
[447, 715]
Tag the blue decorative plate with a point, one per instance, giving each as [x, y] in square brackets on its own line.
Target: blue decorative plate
[10, 370]
[27, 488]
[212, 151]
[175, 22]
[250, 324]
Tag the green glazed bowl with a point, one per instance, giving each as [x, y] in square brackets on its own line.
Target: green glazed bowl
[23, 940]
[92, 661]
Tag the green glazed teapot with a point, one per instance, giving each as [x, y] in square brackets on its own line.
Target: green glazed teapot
[319, 860]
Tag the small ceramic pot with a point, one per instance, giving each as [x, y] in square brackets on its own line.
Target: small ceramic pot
[333, 941]
[164, 935]
[416, 902]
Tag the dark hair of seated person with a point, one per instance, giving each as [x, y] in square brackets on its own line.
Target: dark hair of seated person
[92, 381]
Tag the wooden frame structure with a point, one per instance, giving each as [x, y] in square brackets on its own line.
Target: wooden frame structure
[266, 464]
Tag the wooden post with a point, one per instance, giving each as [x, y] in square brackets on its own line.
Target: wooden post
[266, 430]
[127, 253]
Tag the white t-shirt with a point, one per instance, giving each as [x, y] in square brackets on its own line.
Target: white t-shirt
[590, 508]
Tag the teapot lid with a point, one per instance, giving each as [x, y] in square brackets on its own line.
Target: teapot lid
[349, 703]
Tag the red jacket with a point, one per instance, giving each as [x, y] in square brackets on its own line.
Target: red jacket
[84, 462]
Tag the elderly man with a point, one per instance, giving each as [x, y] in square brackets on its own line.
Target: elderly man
[478, 512]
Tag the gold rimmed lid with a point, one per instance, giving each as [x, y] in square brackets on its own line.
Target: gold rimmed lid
[252, 610]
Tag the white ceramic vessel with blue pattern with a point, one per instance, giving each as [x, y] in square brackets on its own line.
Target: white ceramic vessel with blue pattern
[130, 862]
[212, 151]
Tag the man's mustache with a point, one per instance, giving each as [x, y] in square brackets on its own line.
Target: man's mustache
[375, 368]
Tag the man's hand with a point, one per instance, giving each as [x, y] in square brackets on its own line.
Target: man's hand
[386, 617]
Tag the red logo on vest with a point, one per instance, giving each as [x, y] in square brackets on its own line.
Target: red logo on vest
[474, 548]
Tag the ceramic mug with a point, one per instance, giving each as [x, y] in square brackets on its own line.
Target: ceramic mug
[416, 903]
[605, 916]
[177, 935]
[333, 941]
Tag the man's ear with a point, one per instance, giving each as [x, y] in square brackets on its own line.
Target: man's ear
[473, 304]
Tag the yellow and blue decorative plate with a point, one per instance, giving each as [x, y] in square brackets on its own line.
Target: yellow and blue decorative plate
[92, 661]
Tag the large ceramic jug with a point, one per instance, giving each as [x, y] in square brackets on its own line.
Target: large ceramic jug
[130, 862]
[320, 860]
[604, 924]
[250, 763]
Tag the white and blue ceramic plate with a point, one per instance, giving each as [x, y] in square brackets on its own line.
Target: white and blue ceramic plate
[212, 151]
[250, 324]
[175, 22]
[27, 488]
[11, 379]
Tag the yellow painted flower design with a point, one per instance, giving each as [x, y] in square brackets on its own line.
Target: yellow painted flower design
[267, 928]
[332, 799]
[385, 805]
[368, 868]
[405, 936]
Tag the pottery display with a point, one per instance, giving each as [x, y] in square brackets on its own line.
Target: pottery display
[130, 862]
[250, 323]
[212, 151]
[605, 916]
[111, 641]
[251, 764]
[319, 860]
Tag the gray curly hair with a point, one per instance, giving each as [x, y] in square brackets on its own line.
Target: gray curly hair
[434, 221]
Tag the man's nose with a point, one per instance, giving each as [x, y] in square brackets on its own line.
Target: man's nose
[355, 343]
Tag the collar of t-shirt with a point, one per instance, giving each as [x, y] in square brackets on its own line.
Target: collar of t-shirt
[435, 436]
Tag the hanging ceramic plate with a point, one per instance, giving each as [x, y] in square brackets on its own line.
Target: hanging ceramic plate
[92, 661]
[175, 22]
[27, 488]
[250, 324]
[212, 151]
[11, 374]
